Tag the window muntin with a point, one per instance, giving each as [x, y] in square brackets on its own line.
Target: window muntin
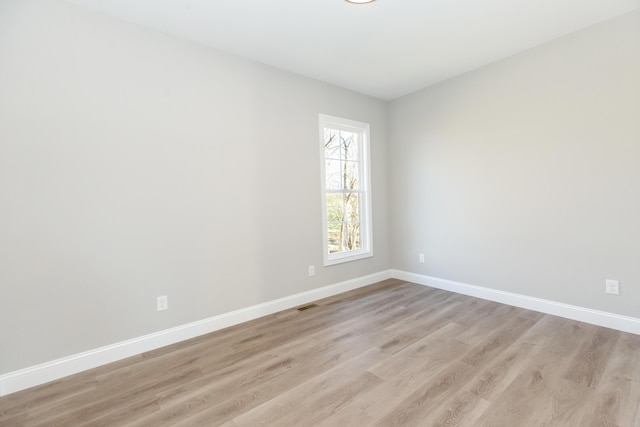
[345, 189]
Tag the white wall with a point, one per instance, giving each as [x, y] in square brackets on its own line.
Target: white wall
[134, 165]
[524, 176]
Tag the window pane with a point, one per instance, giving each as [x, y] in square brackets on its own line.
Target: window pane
[353, 236]
[334, 238]
[331, 143]
[333, 174]
[335, 222]
[352, 207]
[350, 175]
[351, 151]
[335, 207]
[348, 146]
[343, 221]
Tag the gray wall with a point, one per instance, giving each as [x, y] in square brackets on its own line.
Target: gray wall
[134, 165]
[524, 176]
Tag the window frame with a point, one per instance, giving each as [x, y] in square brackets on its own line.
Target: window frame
[364, 190]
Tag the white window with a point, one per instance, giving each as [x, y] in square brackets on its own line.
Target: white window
[346, 189]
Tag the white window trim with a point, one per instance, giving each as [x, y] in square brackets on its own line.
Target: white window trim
[366, 228]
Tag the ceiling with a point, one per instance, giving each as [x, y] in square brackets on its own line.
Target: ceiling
[385, 49]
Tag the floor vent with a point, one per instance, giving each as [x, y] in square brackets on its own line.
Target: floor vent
[306, 307]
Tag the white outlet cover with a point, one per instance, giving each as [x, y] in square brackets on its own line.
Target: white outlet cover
[162, 303]
[612, 287]
[312, 270]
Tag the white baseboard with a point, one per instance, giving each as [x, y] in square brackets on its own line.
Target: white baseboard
[587, 315]
[50, 371]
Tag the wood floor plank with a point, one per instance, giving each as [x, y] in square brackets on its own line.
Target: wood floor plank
[429, 397]
[327, 392]
[464, 410]
[469, 404]
[49, 395]
[397, 337]
[587, 366]
[393, 353]
[615, 401]
[528, 399]
[498, 341]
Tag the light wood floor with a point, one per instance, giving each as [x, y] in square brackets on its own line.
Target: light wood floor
[389, 354]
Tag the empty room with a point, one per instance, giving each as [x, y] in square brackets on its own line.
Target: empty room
[320, 213]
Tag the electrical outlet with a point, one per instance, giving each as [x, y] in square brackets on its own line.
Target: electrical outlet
[612, 287]
[421, 258]
[162, 303]
[312, 270]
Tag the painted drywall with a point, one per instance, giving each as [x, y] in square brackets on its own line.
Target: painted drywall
[133, 165]
[524, 176]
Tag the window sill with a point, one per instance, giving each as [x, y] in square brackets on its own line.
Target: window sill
[333, 259]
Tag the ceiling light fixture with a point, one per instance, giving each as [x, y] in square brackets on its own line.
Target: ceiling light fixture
[360, 1]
